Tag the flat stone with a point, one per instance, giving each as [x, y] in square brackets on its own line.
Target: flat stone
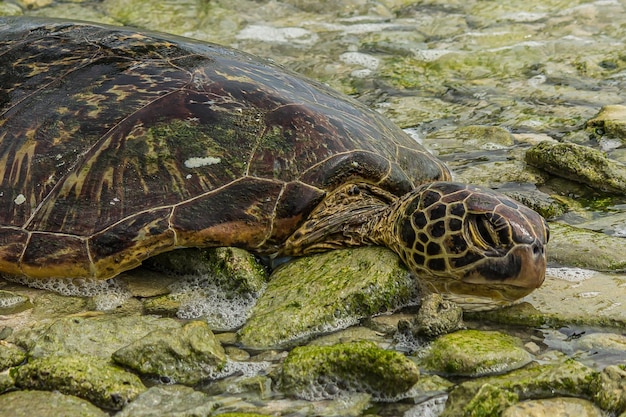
[46, 404]
[551, 407]
[100, 335]
[170, 401]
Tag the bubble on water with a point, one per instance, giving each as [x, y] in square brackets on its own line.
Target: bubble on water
[432, 407]
[199, 297]
[107, 294]
[244, 369]
[570, 274]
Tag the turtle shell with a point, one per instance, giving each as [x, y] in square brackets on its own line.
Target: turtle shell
[117, 145]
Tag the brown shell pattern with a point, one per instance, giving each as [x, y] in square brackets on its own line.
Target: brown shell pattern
[116, 145]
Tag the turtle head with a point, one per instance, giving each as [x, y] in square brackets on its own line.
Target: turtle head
[471, 244]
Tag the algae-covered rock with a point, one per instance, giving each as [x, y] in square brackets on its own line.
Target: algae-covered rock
[475, 353]
[570, 378]
[170, 401]
[610, 121]
[579, 163]
[316, 372]
[489, 401]
[549, 407]
[10, 355]
[232, 269]
[609, 389]
[87, 377]
[100, 335]
[582, 248]
[436, 317]
[320, 293]
[46, 404]
[186, 355]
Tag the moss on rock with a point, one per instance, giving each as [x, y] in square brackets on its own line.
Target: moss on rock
[10, 355]
[45, 403]
[320, 293]
[579, 163]
[475, 353]
[316, 372]
[186, 355]
[91, 378]
[570, 378]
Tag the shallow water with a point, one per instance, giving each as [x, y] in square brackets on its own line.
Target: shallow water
[540, 69]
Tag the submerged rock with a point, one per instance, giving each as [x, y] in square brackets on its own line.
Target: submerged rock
[475, 353]
[317, 372]
[561, 406]
[325, 292]
[100, 335]
[46, 403]
[170, 401]
[582, 248]
[87, 377]
[185, 355]
[11, 302]
[570, 378]
[579, 163]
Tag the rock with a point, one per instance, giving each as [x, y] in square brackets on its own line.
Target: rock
[570, 378]
[100, 335]
[46, 404]
[91, 378]
[317, 372]
[231, 269]
[579, 163]
[609, 389]
[10, 355]
[141, 282]
[585, 298]
[475, 353]
[436, 317]
[250, 388]
[170, 401]
[351, 334]
[185, 355]
[610, 121]
[490, 401]
[550, 407]
[12, 303]
[572, 246]
[320, 293]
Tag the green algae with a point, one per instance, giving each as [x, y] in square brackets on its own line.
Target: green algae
[10, 355]
[315, 372]
[45, 403]
[570, 378]
[320, 293]
[475, 353]
[91, 378]
[185, 355]
[579, 163]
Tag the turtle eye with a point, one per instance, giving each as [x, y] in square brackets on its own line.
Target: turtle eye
[483, 233]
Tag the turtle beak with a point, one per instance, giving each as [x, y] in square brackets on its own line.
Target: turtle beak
[524, 267]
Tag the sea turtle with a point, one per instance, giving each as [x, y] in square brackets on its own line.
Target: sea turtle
[118, 145]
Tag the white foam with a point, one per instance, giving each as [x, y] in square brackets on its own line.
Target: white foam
[201, 297]
[11, 301]
[570, 274]
[432, 407]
